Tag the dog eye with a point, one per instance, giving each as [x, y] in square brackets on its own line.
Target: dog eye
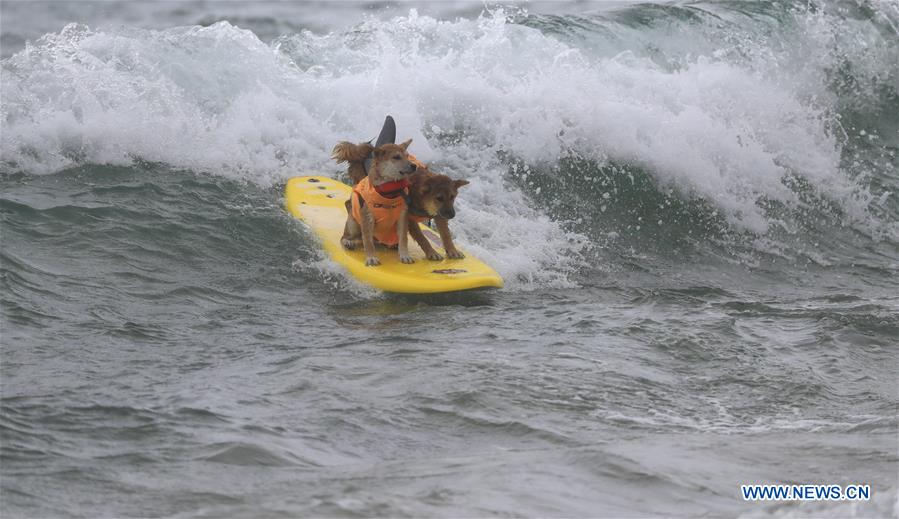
[440, 199]
[396, 157]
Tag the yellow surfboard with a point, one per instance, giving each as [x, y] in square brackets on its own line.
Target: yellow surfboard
[319, 202]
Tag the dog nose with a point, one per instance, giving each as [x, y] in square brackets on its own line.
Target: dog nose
[449, 213]
[414, 167]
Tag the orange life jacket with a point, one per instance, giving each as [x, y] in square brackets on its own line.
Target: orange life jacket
[418, 164]
[386, 211]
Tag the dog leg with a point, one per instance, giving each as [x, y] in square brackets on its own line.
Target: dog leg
[402, 232]
[447, 238]
[352, 233]
[368, 237]
[423, 242]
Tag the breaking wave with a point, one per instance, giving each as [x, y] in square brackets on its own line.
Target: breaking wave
[750, 123]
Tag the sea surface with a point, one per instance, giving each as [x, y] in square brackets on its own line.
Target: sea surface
[695, 207]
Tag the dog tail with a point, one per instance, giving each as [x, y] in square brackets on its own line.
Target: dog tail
[348, 152]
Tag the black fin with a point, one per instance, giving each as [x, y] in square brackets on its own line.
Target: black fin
[388, 133]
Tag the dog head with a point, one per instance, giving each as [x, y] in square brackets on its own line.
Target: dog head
[435, 194]
[391, 162]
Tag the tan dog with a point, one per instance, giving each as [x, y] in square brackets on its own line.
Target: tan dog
[377, 208]
[432, 195]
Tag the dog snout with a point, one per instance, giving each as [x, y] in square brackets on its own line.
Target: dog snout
[413, 166]
[448, 213]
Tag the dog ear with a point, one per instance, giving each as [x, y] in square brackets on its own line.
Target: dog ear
[459, 183]
[406, 144]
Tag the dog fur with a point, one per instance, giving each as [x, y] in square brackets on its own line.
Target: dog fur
[354, 155]
[390, 162]
[434, 194]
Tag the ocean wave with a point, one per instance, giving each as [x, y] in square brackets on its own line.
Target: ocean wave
[622, 110]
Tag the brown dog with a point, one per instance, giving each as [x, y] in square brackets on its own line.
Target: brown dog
[377, 208]
[432, 195]
[354, 155]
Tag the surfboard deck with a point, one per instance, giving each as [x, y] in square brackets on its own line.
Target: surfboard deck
[319, 202]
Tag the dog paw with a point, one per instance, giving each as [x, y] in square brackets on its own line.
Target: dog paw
[405, 258]
[348, 244]
[434, 256]
[372, 261]
[454, 254]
